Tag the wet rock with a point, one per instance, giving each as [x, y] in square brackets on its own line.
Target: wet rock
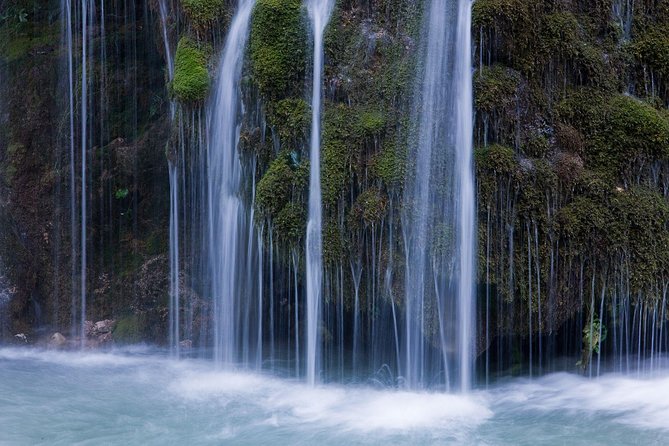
[103, 327]
[57, 340]
[186, 344]
[20, 338]
[88, 328]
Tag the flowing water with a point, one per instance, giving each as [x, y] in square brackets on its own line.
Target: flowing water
[141, 397]
[440, 222]
[228, 228]
[319, 15]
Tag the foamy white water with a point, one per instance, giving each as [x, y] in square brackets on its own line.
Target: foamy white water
[140, 397]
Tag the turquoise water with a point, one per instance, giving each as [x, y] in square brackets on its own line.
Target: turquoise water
[138, 397]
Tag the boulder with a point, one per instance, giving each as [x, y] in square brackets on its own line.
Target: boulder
[186, 344]
[20, 338]
[57, 340]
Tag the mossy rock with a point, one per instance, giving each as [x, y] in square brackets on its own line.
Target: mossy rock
[651, 48]
[283, 181]
[278, 47]
[203, 13]
[128, 330]
[191, 76]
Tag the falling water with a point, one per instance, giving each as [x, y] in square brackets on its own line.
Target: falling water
[466, 197]
[84, 13]
[319, 15]
[440, 224]
[226, 208]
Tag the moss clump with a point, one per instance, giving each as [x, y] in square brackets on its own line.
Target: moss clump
[203, 13]
[279, 190]
[191, 77]
[389, 166]
[290, 223]
[496, 88]
[278, 47]
[498, 159]
[619, 132]
[651, 49]
[369, 208]
[371, 122]
[291, 118]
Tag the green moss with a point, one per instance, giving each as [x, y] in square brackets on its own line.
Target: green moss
[334, 170]
[280, 189]
[21, 40]
[333, 243]
[369, 208]
[371, 122]
[278, 47]
[291, 117]
[511, 20]
[496, 88]
[203, 13]
[290, 223]
[498, 159]
[274, 188]
[389, 166]
[191, 77]
[651, 49]
[128, 330]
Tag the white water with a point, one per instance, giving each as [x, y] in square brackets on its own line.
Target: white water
[319, 15]
[139, 397]
[226, 209]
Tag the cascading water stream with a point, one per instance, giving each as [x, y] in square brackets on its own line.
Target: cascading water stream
[466, 197]
[440, 224]
[226, 208]
[319, 15]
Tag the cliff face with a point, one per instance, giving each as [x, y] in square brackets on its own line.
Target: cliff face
[572, 131]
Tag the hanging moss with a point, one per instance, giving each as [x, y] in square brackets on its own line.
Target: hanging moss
[203, 13]
[191, 77]
[369, 208]
[282, 183]
[278, 47]
[290, 223]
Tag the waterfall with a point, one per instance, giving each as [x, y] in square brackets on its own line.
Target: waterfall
[466, 197]
[319, 15]
[226, 208]
[439, 220]
[173, 167]
[78, 129]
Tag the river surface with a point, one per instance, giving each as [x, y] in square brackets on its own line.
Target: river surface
[140, 397]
